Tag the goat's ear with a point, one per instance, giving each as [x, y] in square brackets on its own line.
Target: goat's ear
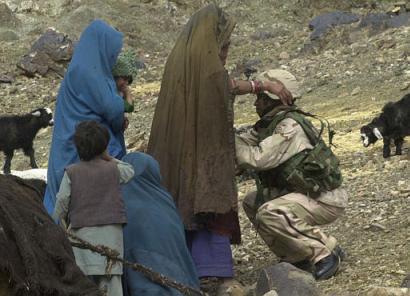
[36, 113]
[377, 133]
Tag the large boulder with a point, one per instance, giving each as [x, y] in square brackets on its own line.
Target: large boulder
[46, 53]
[286, 280]
[324, 22]
[378, 22]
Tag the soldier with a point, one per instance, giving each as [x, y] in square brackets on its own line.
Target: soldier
[298, 182]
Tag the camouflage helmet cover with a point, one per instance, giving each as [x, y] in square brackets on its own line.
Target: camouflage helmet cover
[288, 79]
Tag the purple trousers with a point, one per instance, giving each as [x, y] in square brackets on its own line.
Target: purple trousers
[211, 253]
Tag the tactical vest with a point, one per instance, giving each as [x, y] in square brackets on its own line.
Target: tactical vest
[309, 172]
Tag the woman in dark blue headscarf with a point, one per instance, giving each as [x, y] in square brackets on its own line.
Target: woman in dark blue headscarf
[87, 92]
[154, 234]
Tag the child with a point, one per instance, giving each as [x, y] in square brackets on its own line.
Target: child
[90, 200]
[124, 73]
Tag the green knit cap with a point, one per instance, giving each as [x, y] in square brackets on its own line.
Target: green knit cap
[126, 64]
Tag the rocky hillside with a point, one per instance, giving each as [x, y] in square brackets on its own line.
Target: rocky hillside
[347, 76]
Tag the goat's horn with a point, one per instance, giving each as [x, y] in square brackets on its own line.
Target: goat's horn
[377, 133]
[36, 113]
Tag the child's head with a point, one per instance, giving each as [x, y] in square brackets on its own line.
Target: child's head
[125, 69]
[91, 139]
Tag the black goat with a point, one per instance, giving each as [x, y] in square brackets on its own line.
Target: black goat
[392, 124]
[18, 132]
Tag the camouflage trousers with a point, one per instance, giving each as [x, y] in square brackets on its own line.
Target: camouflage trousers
[289, 226]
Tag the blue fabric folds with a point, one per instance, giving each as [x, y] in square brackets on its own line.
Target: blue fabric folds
[87, 92]
[154, 235]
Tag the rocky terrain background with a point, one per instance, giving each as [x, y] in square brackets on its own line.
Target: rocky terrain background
[347, 76]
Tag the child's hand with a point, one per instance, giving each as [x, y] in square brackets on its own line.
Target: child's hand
[125, 90]
[126, 123]
[126, 93]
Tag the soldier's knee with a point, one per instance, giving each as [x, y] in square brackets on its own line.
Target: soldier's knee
[266, 216]
[263, 215]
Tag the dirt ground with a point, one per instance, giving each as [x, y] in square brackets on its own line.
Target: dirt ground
[346, 79]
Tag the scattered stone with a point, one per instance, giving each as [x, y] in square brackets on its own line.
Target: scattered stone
[356, 91]
[399, 7]
[246, 67]
[262, 35]
[6, 78]
[138, 142]
[405, 85]
[271, 293]
[375, 227]
[284, 55]
[381, 291]
[29, 6]
[13, 90]
[386, 44]
[406, 282]
[380, 60]
[286, 280]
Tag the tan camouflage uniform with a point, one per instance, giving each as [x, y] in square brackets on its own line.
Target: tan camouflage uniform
[288, 224]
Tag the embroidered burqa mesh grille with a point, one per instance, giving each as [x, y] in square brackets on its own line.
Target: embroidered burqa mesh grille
[192, 129]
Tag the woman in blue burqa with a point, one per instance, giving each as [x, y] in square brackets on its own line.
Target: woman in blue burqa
[154, 234]
[87, 92]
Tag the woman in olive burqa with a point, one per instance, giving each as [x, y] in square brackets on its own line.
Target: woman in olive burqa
[192, 138]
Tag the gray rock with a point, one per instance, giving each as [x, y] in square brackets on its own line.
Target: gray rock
[406, 282]
[37, 62]
[378, 22]
[6, 78]
[286, 280]
[56, 45]
[356, 91]
[51, 48]
[262, 35]
[322, 23]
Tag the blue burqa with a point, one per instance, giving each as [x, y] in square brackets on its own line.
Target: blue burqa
[87, 92]
[154, 234]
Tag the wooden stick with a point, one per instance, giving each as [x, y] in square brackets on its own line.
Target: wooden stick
[147, 272]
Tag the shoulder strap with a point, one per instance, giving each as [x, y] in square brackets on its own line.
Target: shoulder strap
[308, 127]
[300, 117]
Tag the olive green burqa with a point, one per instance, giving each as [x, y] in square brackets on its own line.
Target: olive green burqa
[192, 130]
